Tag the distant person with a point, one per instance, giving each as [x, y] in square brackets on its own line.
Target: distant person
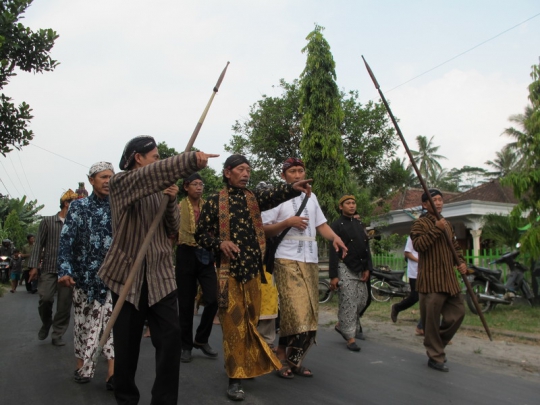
[16, 270]
[84, 241]
[411, 256]
[350, 275]
[47, 247]
[194, 264]
[135, 195]
[26, 251]
[437, 284]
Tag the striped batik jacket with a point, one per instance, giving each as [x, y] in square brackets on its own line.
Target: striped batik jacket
[435, 260]
[46, 246]
[135, 196]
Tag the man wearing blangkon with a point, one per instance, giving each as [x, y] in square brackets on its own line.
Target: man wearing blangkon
[438, 287]
[135, 195]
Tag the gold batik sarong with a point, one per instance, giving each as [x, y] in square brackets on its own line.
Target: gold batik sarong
[269, 300]
[246, 353]
[297, 285]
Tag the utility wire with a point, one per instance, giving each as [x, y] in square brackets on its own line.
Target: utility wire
[33, 144]
[7, 174]
[4, 186]
[463, 53]
[17, 174]
[26, 177]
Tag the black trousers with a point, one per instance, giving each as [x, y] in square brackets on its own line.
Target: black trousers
[29, 286]
[189, 270]
[127, 331]
[409, 301]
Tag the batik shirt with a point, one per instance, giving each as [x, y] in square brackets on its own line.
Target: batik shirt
[84, 241]
[248, 262]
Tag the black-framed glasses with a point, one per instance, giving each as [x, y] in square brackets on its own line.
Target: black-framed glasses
[197, 184]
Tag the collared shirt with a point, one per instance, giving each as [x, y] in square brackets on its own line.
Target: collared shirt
[27, 250]
[85, 239]
[135, 196]
[436, 267]
[352, 233]
[46, 245]
[248, 262]
[299, 250]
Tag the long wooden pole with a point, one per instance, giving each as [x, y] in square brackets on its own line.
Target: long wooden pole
[424, 186]
[135, 268]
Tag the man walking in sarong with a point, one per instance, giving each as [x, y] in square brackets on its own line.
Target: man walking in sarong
[230, 225]
[352, 273]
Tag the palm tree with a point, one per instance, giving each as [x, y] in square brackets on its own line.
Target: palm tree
[506, 161]
[426, 157]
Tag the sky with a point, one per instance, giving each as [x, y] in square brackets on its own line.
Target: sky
[136, 67]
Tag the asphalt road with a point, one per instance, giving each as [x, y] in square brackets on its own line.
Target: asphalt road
[35, 372]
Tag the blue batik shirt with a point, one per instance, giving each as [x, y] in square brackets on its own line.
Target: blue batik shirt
[85, 239]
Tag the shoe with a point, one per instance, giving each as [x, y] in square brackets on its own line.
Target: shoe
[394, 313]
[79, 379]
[235, 392]
[109, 384]
[340, 332]
[34, 291]
[43, 332]
[206, 349]
[437, 366]
[353, 347]
[185, 356]
[58, 342]
[359, 333]
[11, 291]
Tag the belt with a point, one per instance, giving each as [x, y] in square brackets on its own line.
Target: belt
[300, 237]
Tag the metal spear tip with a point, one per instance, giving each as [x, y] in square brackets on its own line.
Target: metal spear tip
[371, 74]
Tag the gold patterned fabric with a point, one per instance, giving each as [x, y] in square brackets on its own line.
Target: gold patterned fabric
[246, 353]
[269, 298]
[186, 234]
[297, 284]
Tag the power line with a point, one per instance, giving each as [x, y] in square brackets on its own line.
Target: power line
[17, 174]
[463, 53]
[7, 174]
[4, 186]
[24, 171]
[63, 157]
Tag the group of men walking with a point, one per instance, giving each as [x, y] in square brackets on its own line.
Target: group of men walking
[89, 247]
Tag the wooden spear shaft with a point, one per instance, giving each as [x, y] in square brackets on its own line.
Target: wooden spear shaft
[424, 186]
[135, 268]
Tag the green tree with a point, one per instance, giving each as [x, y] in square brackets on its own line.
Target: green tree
[212, 182]
[26, 211]
[15, 231]
[526, 180]
[28, 51]
[506, 161]
[322, 118]
[501, 230]
[426, 158]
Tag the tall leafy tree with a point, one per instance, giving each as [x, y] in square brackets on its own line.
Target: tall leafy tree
[21, 48]
[426, 157]
[14, 229]
[506, 161]
[526, 180]
[322, 118]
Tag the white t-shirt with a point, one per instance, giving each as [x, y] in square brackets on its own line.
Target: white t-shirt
[299, 250]
[412, 266]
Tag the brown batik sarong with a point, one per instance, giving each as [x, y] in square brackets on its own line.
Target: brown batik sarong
[245, 351]
[297, 284]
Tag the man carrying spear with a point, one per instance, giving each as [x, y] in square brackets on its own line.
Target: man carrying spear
[135, 195]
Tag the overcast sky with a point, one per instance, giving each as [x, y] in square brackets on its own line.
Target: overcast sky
[148, 67]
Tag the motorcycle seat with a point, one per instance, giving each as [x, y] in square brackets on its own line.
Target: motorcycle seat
[485, 270]
[390, 275]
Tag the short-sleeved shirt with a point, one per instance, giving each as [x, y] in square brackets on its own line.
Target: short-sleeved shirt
[293, 249]
[412, 266]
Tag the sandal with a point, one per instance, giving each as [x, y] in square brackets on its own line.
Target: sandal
[302, 371]
[285, 371]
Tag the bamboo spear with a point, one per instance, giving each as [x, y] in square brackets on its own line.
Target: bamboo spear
[151, 231]
[424, 186]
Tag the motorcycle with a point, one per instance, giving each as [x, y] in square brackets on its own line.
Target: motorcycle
[386, 284]
[488, 286]
[5, 262]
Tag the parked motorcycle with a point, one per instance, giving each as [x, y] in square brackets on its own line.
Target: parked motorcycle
[5, 262]
[489, 288]
[386, 284]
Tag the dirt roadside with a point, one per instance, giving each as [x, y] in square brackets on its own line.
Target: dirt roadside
[506, 354]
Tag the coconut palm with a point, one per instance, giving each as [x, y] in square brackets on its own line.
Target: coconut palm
[426, 157]
[506, 161]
